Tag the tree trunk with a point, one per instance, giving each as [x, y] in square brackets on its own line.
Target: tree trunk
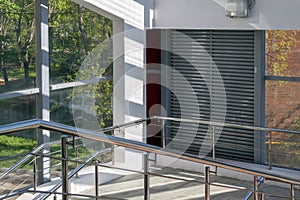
[5, 76]
[26, 73]
[26, 60]
[82, 31]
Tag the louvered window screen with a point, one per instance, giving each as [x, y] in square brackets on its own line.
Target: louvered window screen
[200, 62]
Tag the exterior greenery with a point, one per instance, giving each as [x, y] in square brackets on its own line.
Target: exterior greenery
[74, 32]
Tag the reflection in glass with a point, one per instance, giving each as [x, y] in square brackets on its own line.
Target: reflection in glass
[17, 109]
[17, 46]
[16, 144]
[60, 103]
[83, 105]
[283, 53]
[74, 32]
[283, 111]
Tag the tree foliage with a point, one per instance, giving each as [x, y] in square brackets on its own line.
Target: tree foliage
[74, 32]
[278, 45]
[16, 36]
[282, 110]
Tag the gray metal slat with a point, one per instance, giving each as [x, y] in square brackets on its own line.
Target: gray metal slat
[233, 53]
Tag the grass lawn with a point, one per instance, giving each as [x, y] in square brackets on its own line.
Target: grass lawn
[16, 79]
[11, 146]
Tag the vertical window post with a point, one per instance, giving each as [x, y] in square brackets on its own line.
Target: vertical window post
[42, 81]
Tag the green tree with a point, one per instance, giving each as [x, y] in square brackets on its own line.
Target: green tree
[75, 34]
[8, 17]
[25, 36]
[17, 36]
[75, 31]
[278, 45]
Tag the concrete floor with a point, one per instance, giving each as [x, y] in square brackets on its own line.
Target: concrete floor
[187, 185]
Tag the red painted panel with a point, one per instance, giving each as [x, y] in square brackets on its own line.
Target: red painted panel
[153, 87]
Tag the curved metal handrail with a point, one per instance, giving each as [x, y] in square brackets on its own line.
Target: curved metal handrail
[101, 137]
[35, 123]
[73, 173]
[27, 157]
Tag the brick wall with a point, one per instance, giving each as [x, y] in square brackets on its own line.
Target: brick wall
[283, 98]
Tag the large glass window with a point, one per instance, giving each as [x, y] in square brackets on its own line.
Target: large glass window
[17, 109]
[282, 53]
[74, 32]
[283, 94]
[82, 98]
[17, 45]
[80, 48]
[283, 111]
[83, 104]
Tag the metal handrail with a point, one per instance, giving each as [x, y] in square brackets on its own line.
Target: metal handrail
[213, 124]
[101, 137]
[73, 173]
[31, 124]
[255, 128]
[27, 157]
[250, 193]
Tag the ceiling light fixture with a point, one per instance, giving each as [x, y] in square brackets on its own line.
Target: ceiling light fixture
[238, 8]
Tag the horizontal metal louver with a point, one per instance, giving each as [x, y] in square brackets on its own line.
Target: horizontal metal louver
[198, 58]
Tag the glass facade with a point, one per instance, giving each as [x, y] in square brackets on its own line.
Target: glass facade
[74, 32]
[17, 109]
[60, 104]
[283, 112]
[283, 94]
[17, 46]
[282, 53]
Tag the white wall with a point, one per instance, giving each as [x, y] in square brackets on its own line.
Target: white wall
[210, 14]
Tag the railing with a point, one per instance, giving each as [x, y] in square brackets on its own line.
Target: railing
[101, 137]
[65, 141]
[213, 126]
[67, 176]
[32, 159]
[28, 157]
[257, 183]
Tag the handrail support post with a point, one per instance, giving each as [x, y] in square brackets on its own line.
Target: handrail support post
[292, 192]
[64, 163]
[163, 132]
[146, 177]
[207, 183]
[96, 179]
[214, 141]
[270, 150]
[255, 188]
[34, 175]
[75, 146]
